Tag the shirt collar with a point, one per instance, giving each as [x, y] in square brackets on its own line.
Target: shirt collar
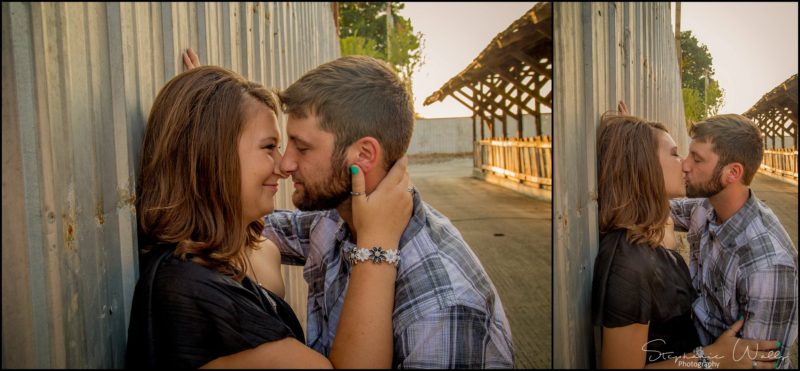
[415, 224]
[417, 221]
[736, 225]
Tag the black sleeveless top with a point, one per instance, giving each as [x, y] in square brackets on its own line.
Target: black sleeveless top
[185, 315]
[634, 283]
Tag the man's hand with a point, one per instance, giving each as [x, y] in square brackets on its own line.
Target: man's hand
[621, 107]
[190, 59]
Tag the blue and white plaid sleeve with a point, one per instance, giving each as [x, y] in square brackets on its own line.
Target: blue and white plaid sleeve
[290, 230]
[455, 337]
[769, 297]
[682, 212]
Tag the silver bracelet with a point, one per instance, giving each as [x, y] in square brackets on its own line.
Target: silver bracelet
[704, 363]
[375, 254]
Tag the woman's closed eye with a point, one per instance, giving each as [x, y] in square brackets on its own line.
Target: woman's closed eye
[271, 147]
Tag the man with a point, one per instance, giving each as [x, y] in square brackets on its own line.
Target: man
[447, 314]
[742, 261]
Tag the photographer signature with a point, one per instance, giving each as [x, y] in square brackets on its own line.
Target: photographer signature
[655, 355]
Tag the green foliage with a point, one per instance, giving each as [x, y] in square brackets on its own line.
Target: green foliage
[693, 107]
[702, 95]
[357, 45]
[362, 31]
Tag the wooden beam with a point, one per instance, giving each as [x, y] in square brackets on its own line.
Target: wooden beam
[537, 85]
[516, 100]
[528, 60]
[505, 76]
[460, 100]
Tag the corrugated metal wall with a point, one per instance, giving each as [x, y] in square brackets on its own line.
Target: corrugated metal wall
[78, 83]
[441, 135]
[454, 134]
[604, 52]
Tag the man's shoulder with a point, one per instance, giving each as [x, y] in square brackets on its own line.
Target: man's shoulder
[442, 239]
[764, 243]
[440, 271]
[441, 231]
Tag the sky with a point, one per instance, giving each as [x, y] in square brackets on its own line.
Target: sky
[753, 46]
[454, 33]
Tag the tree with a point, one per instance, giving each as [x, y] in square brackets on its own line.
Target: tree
[702, 95]
[362, 31]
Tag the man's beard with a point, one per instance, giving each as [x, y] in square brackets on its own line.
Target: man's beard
[707, 189]
[328, 193]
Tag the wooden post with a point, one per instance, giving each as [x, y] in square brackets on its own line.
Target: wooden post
[505, 127]
[475, 145]
[538, 117]
[474, 117]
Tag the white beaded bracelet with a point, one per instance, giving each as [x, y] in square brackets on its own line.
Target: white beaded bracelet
[703, 362]
[375, 254]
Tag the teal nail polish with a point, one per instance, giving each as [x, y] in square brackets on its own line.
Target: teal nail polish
[776, 364]
[354, 169]
[741, 317]
[778, 343]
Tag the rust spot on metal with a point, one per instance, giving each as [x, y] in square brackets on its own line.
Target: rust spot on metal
[99, 215]
[70, 229]
[125, 198]
[69, 238]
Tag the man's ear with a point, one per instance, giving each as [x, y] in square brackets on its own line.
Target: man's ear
[732, 173]
[366, 152]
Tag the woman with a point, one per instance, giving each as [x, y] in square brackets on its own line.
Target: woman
[642, 293]
[208, 173]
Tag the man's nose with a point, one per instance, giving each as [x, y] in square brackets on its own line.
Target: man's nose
[277, 169]
[288, 163]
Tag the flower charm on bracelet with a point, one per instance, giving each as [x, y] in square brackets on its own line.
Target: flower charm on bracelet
[376, 254]
[361, 255]
[392, 257]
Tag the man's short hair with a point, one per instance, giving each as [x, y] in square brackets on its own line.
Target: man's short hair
[735, 138]
[355, 97]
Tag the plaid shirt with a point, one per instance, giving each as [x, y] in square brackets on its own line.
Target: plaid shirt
[746, 266]
[447, 313]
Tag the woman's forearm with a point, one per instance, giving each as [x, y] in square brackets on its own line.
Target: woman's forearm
[364, 337]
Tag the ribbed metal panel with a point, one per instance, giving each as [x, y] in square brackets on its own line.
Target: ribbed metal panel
[603, 52]
[442, 135]
[454, 134]
[78, 83]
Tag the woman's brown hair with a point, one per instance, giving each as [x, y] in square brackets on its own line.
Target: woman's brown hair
[189, 183]
[630, 183]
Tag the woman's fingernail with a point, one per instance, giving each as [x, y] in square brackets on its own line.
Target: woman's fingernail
[354, 169]
[741, 317]
[778, 343]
